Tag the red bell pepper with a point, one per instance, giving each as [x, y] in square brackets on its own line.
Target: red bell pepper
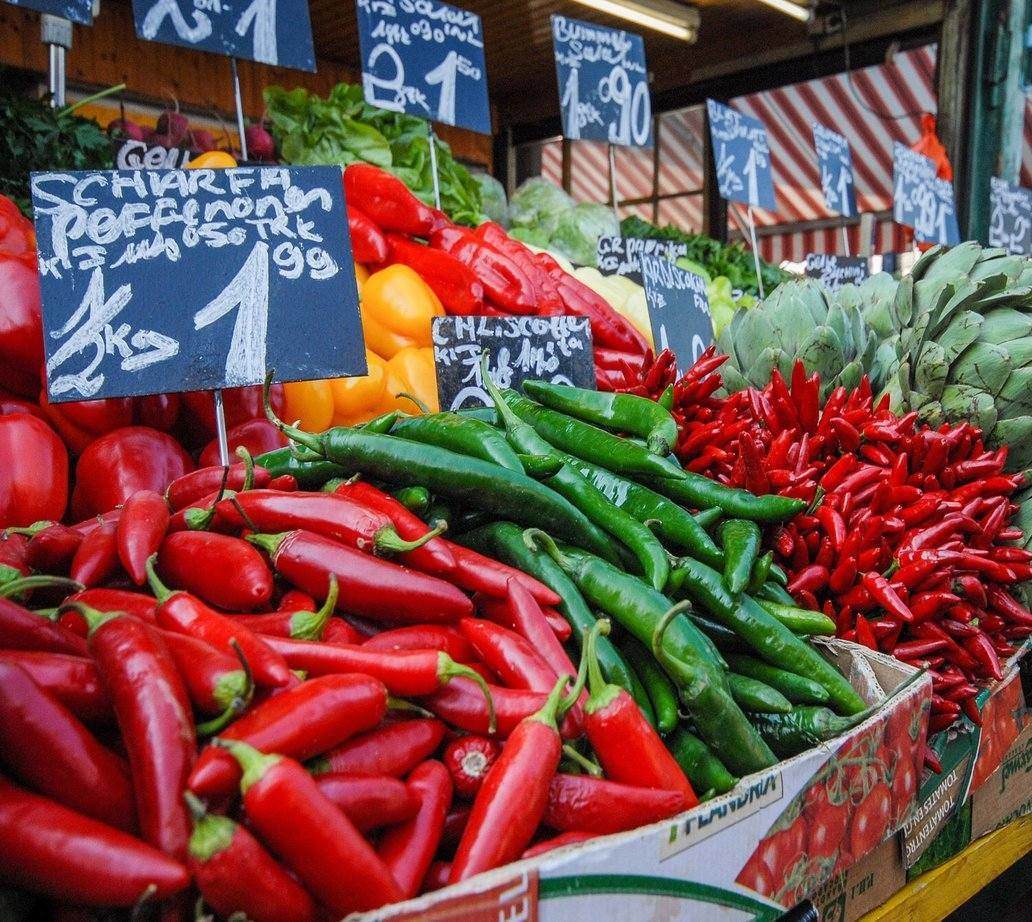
[505, 283]
[33, 471]
[368, 243]
[393, 749]
[140, 531]
[72, 680]
[586, 804]
[258, 436]
[457, 287]
[386, 201]
[14, 556]
[300, 722]
[118, 464]
[157, 411]
[370, 801]
[56, 852]
[310, 834]
[21, 324]
[83, 421]
[223, 570]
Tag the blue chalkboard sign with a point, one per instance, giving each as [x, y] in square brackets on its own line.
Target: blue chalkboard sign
[921, 200]
[678, 309]
[835, 164]
[80, 11]
[741, 154]
[179, 280]
[268, 31]
[603, 83]
[426, 59]
[1010, 217]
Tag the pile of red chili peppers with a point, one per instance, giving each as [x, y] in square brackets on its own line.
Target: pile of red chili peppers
[905, 544]
[134, 712]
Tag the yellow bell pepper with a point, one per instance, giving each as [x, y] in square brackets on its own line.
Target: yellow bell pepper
[397, 310]
[357, 399]
[311, 402]
[361, 277]
[212, 160]
[410, 371]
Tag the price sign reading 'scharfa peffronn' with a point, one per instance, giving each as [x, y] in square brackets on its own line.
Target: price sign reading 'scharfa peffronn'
[269, 31]
[80, 11]
[835, 165]
[741, 155]
[424, 58]
[603, 83]
[178, 280]
[921, 200]
[678, 309]
[1010, 217]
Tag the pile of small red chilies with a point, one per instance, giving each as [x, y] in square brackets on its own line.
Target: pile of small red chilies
[906, 542]
[154, 724]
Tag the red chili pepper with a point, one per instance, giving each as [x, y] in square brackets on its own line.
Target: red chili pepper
[838, 472]
[300, 722]
[587, 804]
[546, 289]
[22, 629]
[72, 680]
[13, 556]
[864, 634]
[530, 622]
[843, 576]
[509, 655]
[103, 599]
[468, 760]
[233, 574]
[155, 720]
[457, 287]
[370, 801]
[45, 746]
[926, 605]
[96, 559]
[392, 749]
[512, 801]
[918, 649]
[476, 573]
[810, 578]
[217, 683]
[955, 653]
[310, 834]
[370, 587]
[983, 651]
[201, 483]
[462, 704]
[408, 849]
[235, 874]
[49, 549]
[299, 625]
[831, 522]
[51, 850]
[386, 201]
[1001, 601]
[500, 612]
[563, 839]
[140, 531]
[425, 637]
[881, 592]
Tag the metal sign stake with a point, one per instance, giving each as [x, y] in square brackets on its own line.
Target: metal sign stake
[431, 137]
[845, 237]
[238, 101]
[755, 252]
[56, 34]
[220, 428]
[612, 180]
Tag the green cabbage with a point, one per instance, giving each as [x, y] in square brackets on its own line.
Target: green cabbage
[537, 204]
[578, 229]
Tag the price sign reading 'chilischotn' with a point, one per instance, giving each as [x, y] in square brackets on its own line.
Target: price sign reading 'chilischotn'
[424, 58]
[603, 83]
[556, 349]
[80, 11]
[178, 280]
[678, 309]
[274, 32]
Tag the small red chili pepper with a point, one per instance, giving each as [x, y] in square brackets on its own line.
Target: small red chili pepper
[235, 576]
[882, 593]
[218, 684]
[52, 548]
[843, 576]
[191, 487]
[834, 527]
[509, 655]
[22, 629]
[425, 637]
[864, 634]
[96, 558]
[310, 834]
[294, 624]
[370, 801]
[461, 703]
[476, 573]
[393, 749]
[564, 838]
[468, 759]
[983, 651]
[529, 621]
[140, 531]
[587, 804]
[925, 605]
[918, 649]
[72, 680]
[812, 577]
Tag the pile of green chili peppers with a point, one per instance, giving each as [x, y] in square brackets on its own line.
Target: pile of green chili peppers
[577, 488]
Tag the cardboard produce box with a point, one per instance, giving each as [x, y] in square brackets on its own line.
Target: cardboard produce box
[749, 854]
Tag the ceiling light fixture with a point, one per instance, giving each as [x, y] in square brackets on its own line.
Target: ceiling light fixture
[673, 19]
[789, 8]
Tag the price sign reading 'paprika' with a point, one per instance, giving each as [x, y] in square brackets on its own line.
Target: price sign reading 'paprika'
[556, 349]
[921, 200]
[834, 271]
[603, 83]
[269, 31]
[741, 155]
[424, 58]
[1010, 217]
[619, 255]
[180, 280]
[678, 309]
[835, 164]
[80, 11]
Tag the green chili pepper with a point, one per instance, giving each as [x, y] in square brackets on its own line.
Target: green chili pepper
[724, 639]
[383, 423]
[760, 572]
[741, 540]
[623, 412]
[660, 689]
[702, 493]
[415, 499]
[717, 717]
[666, 399]
[772, 591]
[591, 443]
[763, 632]
[308, 474]
[800, 620]
[504, 541]
[777, 575]
[484, 414]
[756, 696]
[798, 689]
[704, 770]
[707, 517]
[803, 728]
[460, 434]
[471, 481]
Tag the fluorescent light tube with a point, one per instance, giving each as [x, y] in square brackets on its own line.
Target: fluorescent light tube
[664, 16]
[789, 8]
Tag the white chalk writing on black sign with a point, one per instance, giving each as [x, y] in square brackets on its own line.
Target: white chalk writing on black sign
[834, 271]
[922, 200]
[1010, 218]
[137, 155]
[556, 349]
[741, 155]
[138, 226]
[836, 167]
[619, 255]
[678, 309]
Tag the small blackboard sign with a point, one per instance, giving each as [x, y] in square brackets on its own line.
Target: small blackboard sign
[603, 83]
[741, 155]
[426, 59]
[678, 309]
[556, 349]
[835, 164]
[180, 280]
[138, 155]
[276, 32]
[80, 11]
[619, 255]
[1010, 217]
[921, 200]
[834, 271]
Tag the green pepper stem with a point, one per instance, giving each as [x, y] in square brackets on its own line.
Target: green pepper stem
[24, 583]
[268, 543]
[199, 519]
[510, 420]
[549, 712]
[597, 684]
[592, 768]
[94, 618]
[533, 537]
[661, 628]
[309, 625]
[388, 541]
[447, 669]
[160, 590]
[223, 720]
[253, 762]
[306, 439]
[29, 531]
[244, 455]
[195, 805]
[420, 404]
[400, 704]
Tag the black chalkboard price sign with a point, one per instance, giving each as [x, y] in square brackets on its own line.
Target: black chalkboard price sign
[619, 255]
[80, 11]
[678, 309]
[1010, 217]
[178, 280]
[834, 271]
[556, 349]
